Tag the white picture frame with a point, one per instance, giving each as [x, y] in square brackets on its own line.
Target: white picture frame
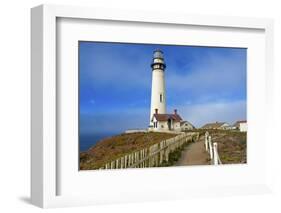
[44, 149]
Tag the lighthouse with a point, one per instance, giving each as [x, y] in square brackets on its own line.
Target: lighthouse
[158, 89]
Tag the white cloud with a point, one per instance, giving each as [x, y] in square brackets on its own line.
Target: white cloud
[200, 114]
[215, 74]
[197, 114]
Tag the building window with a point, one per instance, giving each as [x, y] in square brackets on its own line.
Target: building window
[161, 98]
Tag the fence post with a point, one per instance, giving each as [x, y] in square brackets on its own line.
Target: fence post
[138, 158]
[143, 156]
[206, 141]
[135, 159]
[145, 162]
[121, 163]
[126, 158]
[112, 165]
[167, 154]
[129, 161]
[216, 159]
[107, 166]
[210, 147]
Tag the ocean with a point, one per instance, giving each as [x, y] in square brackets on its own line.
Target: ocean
[88, 140]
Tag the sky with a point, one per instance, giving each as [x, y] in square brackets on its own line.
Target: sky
[205, 84]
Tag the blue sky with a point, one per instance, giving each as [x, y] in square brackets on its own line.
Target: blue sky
[205, 84]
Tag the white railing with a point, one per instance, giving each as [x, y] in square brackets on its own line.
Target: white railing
[153, 155]
[212, 149]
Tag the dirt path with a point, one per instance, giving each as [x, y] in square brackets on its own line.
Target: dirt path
[194, 154]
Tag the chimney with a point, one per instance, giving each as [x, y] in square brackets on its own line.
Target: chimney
[156, 111]
[176, 111]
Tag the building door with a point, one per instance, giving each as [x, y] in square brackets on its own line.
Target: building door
[169, 124]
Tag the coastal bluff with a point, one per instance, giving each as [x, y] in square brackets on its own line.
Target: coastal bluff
[111, 148]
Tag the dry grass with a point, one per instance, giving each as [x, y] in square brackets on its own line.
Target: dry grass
[111, 148]
[232, 146]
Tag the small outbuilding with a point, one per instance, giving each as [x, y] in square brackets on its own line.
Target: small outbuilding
[185, 125]
[241, 125]
[217, 125]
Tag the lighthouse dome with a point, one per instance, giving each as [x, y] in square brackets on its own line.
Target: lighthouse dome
[158, 54]
[158, 60]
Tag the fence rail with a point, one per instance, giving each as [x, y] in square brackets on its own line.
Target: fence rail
[153, 155]
[212, 149]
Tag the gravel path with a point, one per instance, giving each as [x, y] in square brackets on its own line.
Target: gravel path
[194, 154]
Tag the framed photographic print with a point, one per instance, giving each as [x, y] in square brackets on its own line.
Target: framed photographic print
[149, 106]
[135, 115]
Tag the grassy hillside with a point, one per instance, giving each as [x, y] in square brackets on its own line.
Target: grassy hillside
[232, 146]
[111, 148]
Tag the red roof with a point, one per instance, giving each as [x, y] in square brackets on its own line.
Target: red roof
[166, 117]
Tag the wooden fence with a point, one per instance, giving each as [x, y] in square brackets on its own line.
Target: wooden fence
[153, 155]
[212, 149]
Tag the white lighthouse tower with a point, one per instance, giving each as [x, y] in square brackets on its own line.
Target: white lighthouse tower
[158, 89]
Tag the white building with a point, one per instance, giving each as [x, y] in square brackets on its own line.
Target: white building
[166, 122]
[185, 125]
[241, 125]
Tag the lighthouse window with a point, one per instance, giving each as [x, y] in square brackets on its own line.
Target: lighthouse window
[161, 98]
